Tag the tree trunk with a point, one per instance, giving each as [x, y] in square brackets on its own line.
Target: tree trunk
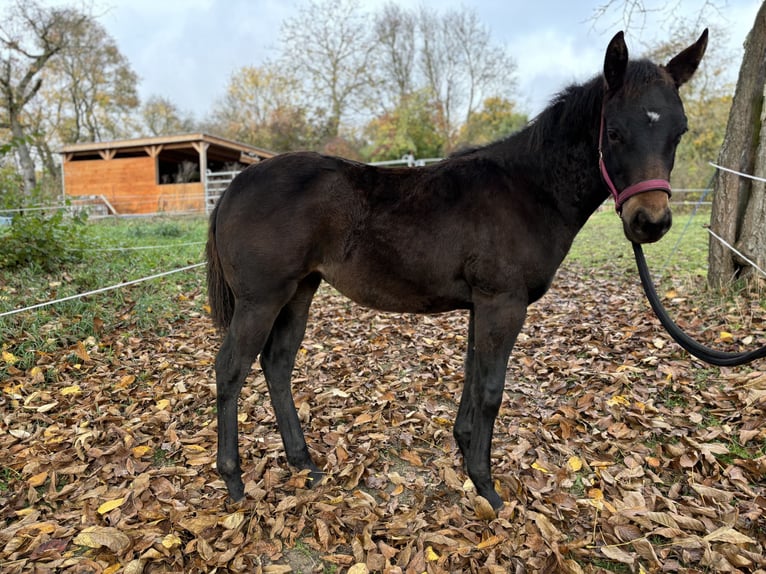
[752, 238]
[739, 206]
[23, 153]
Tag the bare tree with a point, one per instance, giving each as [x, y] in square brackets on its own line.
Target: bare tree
[395, 36]
[30, 35]
[328, 44]
[259, 108]
[461, 65]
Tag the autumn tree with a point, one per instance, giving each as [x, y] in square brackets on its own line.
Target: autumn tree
[259, 108]
[62, 80]
[93, 84]
[160, 117]
[411, 126]
[497, 118]
[30, 36]
[88, 93]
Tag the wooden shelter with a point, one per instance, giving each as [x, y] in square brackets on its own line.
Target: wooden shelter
[155, 174]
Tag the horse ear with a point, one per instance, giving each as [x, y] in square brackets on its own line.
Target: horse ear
[615, 62]
[683, 66]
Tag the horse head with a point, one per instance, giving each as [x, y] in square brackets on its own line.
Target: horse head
[642, 121]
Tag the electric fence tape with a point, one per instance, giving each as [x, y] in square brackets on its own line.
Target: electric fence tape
[102, 290]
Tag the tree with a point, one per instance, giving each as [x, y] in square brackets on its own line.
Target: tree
[497, 118]
[739, 204]
[258, 109]
[395, 35]
[30, 36]
[328, 43]
[162, 117]
[88, 94]
[92, 84]
[461, 65]
[411, 126]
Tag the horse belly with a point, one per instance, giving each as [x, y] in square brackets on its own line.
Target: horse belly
[389, 292]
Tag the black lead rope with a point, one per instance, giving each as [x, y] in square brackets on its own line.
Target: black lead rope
[719, 358]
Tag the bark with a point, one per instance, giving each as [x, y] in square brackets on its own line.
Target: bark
[23, 153]
[752, 237]
[739, 210]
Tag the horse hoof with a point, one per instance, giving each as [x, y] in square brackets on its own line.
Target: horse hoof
[236, 490]
[315, 477]
[493, 499]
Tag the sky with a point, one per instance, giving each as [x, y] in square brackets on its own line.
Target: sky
[186, 50]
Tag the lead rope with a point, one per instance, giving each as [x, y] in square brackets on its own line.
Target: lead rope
[712, 356]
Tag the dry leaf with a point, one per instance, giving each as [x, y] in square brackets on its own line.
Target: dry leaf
[110, 505]
[98, 536]
[171, 540]
[483, 509]
[618, 554]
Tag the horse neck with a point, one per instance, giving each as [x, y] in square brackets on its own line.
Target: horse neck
[558, 153]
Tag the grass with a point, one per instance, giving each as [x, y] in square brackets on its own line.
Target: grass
[682, 252]
[121, 250]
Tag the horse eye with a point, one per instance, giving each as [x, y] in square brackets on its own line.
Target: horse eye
[613, 135]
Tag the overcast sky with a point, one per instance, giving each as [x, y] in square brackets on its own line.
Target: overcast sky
[186, 50]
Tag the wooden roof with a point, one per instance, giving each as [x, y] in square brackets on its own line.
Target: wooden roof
[216, 146]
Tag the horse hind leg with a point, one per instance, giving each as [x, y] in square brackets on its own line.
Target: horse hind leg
[246, 337]
[464, 421]
[277, 361]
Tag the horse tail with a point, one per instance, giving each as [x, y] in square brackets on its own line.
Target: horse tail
[220, 295]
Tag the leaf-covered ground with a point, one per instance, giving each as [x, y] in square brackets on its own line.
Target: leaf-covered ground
[614, 450]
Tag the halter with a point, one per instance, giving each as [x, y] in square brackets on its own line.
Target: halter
[620, 197]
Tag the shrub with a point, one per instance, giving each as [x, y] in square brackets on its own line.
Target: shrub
[43, 240]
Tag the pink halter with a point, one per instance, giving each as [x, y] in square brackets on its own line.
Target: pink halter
[620, 197]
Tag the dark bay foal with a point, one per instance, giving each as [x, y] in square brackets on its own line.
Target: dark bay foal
[483, 231]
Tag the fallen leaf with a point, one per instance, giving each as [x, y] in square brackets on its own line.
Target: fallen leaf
[110, 505]
[171, 540]
[101, 536]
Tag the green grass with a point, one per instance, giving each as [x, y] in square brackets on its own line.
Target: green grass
[682, 252]
[148, 305]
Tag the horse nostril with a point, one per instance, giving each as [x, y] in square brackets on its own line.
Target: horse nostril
[652, 228]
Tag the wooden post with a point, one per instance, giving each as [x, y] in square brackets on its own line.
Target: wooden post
[201, 148]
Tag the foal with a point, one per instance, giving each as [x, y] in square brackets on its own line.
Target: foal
[483, 231]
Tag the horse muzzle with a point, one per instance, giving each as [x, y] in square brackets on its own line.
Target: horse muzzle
[646, 218]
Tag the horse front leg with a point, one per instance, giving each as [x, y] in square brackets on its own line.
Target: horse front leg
[464, 420]
[497, 322]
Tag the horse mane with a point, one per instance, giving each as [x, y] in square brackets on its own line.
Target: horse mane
[568, 110]
[570, 106]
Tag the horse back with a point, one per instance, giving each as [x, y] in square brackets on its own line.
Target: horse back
[402, 239]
